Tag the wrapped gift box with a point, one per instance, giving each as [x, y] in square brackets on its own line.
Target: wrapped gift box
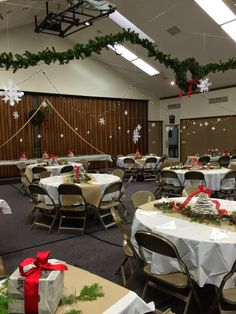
[50, 291]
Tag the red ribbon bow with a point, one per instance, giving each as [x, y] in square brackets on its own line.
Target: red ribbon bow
[77, 168]
[31, 285]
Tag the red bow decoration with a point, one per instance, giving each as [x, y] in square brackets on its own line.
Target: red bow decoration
[195, 162]
[190, 88]
[31, 285]
[23, 155]
[77, 168]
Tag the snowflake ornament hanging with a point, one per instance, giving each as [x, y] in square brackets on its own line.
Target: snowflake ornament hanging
[136, 135]
[204, 85]
[16, 115]
[139, 127]
[11, 93]
[102, 121]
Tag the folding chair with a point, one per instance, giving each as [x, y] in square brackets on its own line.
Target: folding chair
[149, 169]
[142, 197]
[178, 284]
[46, 214]
[107, 202]
[130, 168]
[225, 299]
[203, 160]
[194, 178]
[128, 249]
[71, 214]
[67, 168]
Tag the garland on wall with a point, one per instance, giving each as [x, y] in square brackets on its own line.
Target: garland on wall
[80, 51]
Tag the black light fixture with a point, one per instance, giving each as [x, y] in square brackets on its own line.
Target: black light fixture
[79, 15]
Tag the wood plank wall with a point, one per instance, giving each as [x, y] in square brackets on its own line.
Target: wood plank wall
[83, 114]
[198, 135]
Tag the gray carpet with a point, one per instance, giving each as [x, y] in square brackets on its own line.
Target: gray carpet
[98, 251]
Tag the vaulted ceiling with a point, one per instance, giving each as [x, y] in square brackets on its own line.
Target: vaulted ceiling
[199, 37]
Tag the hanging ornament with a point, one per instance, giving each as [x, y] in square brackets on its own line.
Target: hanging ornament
[15, 115]
[76, 129]
[39, 136]
[153, 125]
[204, 85]
[61, 135]
[102, 121]
[119, 127]
[213, 128]
[139, 127]
[206, 123]
[44, 104]
[88, 132]
[110, 136]
[21, 140]
[11, 93]
[127, 131]
[126, 112]
[218, 119]
[200, 124]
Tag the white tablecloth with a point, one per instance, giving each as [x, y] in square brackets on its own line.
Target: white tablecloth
[213, 177]
[131, 303]
[4, 207]
[120, 160]
[16, 162]
[98, 157]
[207, 260]
[51, 183]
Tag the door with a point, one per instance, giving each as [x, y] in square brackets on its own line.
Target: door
[155, 137]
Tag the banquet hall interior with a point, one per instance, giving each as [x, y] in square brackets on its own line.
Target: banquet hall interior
[118, 156]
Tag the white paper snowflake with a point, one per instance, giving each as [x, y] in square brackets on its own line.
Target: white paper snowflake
[16, 115]
[39, 136]
[102, 121]
[204, 85]
[88, 132]
[61, 135]
[11, 93]
[21, 140]
[126, 112]
[136, 135]
[44, 104]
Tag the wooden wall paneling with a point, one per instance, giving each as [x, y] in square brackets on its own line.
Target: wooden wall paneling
[10, 126]
[218, 133]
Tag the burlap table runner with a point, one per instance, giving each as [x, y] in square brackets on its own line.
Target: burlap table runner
[91, 192]
[76, 277]
[224, 225]
[140, 161]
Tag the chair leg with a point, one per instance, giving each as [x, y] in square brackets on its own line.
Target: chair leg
[188, 303]
[144, 290]
[52, 224]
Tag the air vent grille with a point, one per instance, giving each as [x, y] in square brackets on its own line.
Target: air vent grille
[174, 106]
[218, 99]
[174, 30]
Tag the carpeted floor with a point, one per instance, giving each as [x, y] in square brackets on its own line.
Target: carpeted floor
[98, 251]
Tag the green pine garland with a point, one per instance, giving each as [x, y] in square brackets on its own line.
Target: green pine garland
[81, 51]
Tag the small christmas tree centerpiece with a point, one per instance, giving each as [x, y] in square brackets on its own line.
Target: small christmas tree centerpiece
[204, 205]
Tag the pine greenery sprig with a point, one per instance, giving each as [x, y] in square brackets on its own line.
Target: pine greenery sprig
[91, 293]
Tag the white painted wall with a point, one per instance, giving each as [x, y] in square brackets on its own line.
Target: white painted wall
[197, 106]
[83, 77]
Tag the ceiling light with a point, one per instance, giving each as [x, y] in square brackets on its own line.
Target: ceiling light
[230, 29]
[121, 20]
[145, 67]
[217, 10]
[172, 83]
[124, 52]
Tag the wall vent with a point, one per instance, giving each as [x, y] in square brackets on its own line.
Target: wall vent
[174, 106]
[218, 99]
[174, 30]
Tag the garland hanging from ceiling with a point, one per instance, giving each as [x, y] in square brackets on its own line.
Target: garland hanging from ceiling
[81, 51]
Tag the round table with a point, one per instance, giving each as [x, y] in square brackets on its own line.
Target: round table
[93, 189]
[207, 259]
[213, 177]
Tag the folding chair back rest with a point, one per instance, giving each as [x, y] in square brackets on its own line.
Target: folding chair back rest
[67, 168]
[158, 244]
[36, 189]
[45, 174]
[151, 160]
[112, 188]
[119, 173]
[2, 268]
[129, 161]
[162, 159]
[69, 189]
[230, 175]
[38, 169]
[204, 159]
[142, 197]
[194, 175]
[224, 159]
[169, 174]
